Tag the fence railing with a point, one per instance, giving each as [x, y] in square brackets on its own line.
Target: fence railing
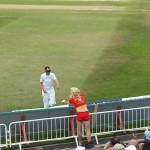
[41, 130]
[61, 128]
[120, 121]
[3, 136]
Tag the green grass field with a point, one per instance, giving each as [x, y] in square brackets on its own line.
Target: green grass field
[105, 53]
[71, 2]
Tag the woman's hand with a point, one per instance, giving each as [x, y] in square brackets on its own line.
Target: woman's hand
[63, 101]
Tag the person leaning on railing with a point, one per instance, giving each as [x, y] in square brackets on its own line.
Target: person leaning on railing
[83, 117]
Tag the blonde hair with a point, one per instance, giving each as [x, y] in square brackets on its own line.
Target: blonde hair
[74, 91]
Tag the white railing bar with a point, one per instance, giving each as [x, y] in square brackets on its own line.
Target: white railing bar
[53, 118]
[5, 144]
[28, 142]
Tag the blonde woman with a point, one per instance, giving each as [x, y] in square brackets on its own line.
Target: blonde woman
[83, 117]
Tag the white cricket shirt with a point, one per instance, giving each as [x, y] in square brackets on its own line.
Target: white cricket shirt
[48, 80]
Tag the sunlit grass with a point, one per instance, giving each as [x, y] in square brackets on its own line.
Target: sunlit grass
[104, 53]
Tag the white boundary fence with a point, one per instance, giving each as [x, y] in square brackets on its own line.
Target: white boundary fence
[40, 130]
[50, 129]
[121, 121]
[3, 139]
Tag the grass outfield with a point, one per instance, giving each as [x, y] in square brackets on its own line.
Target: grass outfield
[104, 53]
[72, 2]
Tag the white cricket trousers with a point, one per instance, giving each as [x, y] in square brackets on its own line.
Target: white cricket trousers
[49, 98]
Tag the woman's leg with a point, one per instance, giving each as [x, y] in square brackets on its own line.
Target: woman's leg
[88, 132]
[79, 130]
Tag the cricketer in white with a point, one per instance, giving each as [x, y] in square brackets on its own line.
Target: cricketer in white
[47, 81]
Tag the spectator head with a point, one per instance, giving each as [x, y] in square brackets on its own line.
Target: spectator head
[147, 134]
[131, 147]
[39, 148]
[133, 142]
[118, 147]
[115, 140]
[94, 148]
[80, 148]
[146, 146]
[74, 91]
